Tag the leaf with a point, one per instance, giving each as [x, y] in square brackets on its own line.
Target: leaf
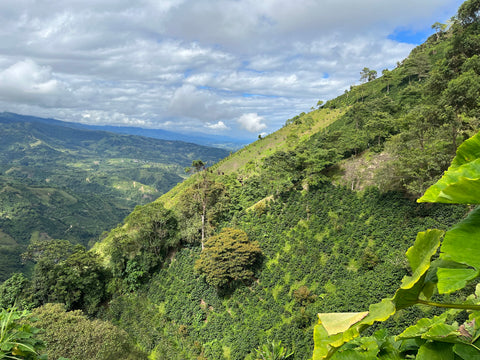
[457, 186]
[462, 242]
[466, 352]
[322, 342]
[450, 280]
[435, 351]
[461, 245]
[419, 257]
[335, 323]
[444, 333]
[422, 326]
[461, 182]
[468, 151]
[350, 326]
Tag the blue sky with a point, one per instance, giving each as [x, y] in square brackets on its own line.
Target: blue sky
[231, 67]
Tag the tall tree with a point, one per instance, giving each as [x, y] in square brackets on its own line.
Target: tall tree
[200, 206]
[469, 12]
[367, 75]
[387, 77]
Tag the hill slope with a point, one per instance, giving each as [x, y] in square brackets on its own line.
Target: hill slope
[325, 245]
[329, 201]
[60, 182]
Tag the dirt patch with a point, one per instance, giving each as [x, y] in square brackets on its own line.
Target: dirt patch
[359, 172]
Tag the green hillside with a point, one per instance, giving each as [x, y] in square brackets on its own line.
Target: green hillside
[64, 183]
[328, 200]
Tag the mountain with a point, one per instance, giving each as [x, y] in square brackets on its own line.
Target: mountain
[217, 141]
[314, 218]
[71, 183]
[329, 199]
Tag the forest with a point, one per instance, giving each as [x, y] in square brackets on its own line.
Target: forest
[350, 233]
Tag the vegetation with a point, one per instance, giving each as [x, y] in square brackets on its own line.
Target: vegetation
[57, 182]
[19, 340]
[236, 261]
[228, 257]
[71, 335]
[455, 267]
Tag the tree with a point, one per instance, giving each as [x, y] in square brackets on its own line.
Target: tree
[379, 126]
[71, 334]
[14, 291]
[140, 246]
[200, 206]
[227, 257]
[469, 12]
[418, 64]
[439, 29]
[367, 75]
[77, 279]
[387, 77]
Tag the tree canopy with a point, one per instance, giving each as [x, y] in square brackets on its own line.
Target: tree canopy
[228, 256]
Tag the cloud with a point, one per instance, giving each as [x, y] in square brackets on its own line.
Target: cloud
[252, 122]
[26, 81]
[189, 101]
[194, 65]
[218, 126]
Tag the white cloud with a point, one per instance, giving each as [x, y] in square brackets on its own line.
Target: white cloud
[218, 126]
[252, 122]
[196, 64]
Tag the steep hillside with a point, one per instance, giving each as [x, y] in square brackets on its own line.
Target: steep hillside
[323, 197]
[65, 183]
[328, 200]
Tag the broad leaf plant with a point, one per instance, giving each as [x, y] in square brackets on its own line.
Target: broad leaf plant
[337, 335]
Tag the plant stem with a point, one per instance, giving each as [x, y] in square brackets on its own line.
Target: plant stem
[449, 306]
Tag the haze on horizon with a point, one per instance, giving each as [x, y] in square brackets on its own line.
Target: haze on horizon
[231, 67]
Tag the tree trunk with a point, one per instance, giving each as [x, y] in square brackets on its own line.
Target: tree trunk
[203, 222]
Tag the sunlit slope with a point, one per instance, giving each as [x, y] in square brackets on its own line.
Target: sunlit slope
[248, 160]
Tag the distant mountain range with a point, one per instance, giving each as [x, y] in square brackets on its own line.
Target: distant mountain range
[224, 142]
[65, 181]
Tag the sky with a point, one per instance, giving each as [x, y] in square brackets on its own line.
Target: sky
[230, 67]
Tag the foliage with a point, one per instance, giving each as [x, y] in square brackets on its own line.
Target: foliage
[72, 335]
[73, 184]
[68, 274]
[13, 292]
[273, 351]
[19, 340]
[228, 257]
[137, 249]
[457, 265]
[201, 207]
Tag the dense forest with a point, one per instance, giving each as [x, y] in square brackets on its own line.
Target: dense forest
[308, 243]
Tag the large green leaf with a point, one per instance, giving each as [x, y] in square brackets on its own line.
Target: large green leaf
[435, 351]
[461, 245]
[419, 256]
[467, 352]
[450, 280]
[424, 325]
[468, 151]
[349, 325]
[461, 182]
[335, 323]
[457, 186]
